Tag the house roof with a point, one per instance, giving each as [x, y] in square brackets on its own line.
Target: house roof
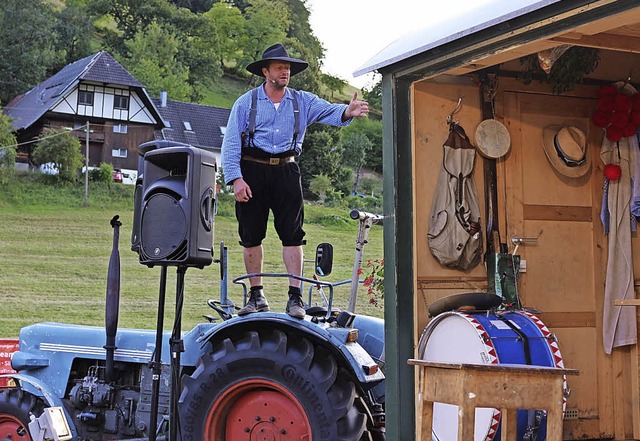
[465, 23]
[101, 67]
[205, 123]
[497, 32]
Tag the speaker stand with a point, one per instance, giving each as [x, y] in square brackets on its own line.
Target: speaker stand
[156, 363]
[177, 347]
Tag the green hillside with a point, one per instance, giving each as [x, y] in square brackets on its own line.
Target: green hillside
[226, 89]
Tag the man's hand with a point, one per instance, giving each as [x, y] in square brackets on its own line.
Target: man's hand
[356, 108]
[241, 190]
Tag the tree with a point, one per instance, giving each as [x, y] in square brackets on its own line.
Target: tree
[372, 128]
[7, 149]
[62, 149]
[320, 155]
[321, 185]
[356, 145]
[153, 62]
[27, 48]
[262, 28]
[227, 28]
[374, 96]
[194, 5]
[75, 29]
[334, 84]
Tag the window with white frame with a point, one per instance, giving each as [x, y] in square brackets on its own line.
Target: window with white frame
[119, 152]
[120, 102]
[187, 126]
[120, 128]
[85, 98]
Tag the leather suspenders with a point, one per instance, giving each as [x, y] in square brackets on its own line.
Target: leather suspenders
[254, 110]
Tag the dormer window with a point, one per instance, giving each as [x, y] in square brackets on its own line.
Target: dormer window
[85, 98]
[187, 126]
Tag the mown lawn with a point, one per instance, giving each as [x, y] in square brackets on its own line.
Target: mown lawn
[54, 256]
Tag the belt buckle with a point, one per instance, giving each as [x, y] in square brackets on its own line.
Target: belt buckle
[274, 161]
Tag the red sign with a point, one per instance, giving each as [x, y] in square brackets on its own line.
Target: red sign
[7, 348]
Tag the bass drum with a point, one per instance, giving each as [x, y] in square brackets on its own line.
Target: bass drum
[514, 337]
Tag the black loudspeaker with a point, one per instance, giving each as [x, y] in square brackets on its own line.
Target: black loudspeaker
[137, 198]
[177, 202]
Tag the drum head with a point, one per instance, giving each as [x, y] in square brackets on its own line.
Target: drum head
[453, 339]
[471, 301]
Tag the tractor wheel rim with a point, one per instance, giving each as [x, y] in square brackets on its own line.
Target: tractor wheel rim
[12, 428]
[257, 410]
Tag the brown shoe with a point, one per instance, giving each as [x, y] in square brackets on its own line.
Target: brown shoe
[295, 307]
[257, 303]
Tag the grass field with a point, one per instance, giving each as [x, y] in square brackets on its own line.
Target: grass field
[54, 256]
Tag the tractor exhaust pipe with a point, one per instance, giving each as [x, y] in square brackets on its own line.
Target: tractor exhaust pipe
[113, 300]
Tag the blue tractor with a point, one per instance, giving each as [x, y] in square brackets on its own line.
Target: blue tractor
[266, 376]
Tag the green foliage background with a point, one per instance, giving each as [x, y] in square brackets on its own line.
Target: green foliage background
[196, 50]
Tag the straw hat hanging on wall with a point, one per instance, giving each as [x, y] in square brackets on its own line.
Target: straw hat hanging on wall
[566, 150]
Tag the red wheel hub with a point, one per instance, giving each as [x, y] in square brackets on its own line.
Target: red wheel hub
[257, 410]
[13, 429]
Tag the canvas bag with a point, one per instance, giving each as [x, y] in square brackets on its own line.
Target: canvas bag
[454, 234]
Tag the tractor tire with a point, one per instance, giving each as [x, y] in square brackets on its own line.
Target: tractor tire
[15, 407]
[264, 385]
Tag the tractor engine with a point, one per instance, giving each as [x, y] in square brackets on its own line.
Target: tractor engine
[116, 410]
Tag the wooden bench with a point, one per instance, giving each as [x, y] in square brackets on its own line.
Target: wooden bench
[504, 387]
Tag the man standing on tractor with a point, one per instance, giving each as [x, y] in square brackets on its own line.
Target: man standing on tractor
[264, 135]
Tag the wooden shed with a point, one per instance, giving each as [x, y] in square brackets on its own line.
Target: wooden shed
[477, 57]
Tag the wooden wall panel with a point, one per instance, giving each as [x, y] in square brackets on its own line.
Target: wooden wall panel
[556, 277]
[433, 103]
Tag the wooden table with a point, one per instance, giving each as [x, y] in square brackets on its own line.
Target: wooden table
[505, 387]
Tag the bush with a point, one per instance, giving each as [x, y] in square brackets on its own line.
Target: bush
[7, 164]
[63, 150]
[226, 205]
[103, 174]
[372, 204]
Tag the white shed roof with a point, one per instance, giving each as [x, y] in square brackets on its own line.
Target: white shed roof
[465, 23]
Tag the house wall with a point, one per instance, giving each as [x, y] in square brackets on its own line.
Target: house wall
[103, 139]
[566, 267]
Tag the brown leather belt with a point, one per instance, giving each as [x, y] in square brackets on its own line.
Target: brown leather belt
[269, 161]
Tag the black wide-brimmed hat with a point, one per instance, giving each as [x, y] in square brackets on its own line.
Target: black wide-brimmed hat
[277, 52]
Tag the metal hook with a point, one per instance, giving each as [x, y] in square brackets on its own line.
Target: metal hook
[456, 110]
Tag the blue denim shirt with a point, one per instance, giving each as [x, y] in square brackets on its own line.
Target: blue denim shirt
[274, 127]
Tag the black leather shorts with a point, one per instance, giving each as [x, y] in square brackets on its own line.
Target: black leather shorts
[277, 189]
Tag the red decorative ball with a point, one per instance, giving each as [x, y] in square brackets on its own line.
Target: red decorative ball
[622, 103]
[612, 172]
[614, 133]
[619, 119]
[606, 103]
[629, 129]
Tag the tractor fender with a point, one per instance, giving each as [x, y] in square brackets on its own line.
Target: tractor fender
[39, 389]
[335, 339]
